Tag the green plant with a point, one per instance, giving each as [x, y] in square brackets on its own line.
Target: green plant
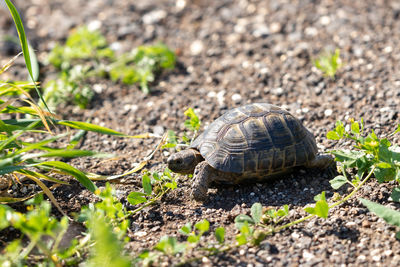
[35, 159]
[142, 64]
[192, 123]
[155, 186]
[43, 231]
[82, 44]
[106, 225]
[372, 155]
[86, 54]
[170, 246]
[328, 63]
[70, 88]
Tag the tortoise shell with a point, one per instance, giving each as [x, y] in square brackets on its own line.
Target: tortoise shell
[256, 139]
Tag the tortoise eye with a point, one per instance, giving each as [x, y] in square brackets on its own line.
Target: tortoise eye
[178, 161]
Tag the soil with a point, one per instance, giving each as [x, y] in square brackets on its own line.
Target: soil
[232, 53]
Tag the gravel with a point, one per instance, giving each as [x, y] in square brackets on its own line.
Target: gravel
[232, 53]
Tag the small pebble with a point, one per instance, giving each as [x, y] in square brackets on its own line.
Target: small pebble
[307, 255]
[154, 16]
[295, 235]
[328, 112]
[140, 233]
[196, 47]
[236, 98]
[361, 258]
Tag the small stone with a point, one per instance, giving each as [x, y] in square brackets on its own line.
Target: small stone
[388, 253]
[261, 31]
[115, 46]
[206, 261]
[94, 25]
[158, 130]
[324, 20]
[278, 91]
[196, 47]
[140, 233]
[366, 224]
[236, 98]
[388, 49]
[350, 224]
[180, 4]
[376, 258]
[311, 31]
[328, 112]
[308, 255]
[154, 16]
[361, 258]
[375, 252]
[275, 27]
[242, 252]
[295, 235]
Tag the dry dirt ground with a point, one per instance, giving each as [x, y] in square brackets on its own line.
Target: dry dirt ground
[232, 53]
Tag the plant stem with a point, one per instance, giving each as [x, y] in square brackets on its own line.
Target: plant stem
[355, 189]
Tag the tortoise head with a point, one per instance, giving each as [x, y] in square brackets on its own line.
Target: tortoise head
[184, 161]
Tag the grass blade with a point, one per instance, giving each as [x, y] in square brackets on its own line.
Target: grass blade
[47, 191]
[73, 154]
[65, 168]
[90, 127]
[42, 176]
[24, 44]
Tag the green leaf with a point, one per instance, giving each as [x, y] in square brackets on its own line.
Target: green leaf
[384, 165]
[170, 246]
[332, 135]
[64, 167]
[396, 194]
[220, 234]
[193, 238]
[348, 157]
[384, 174]
[241, 239]
[202, 226]
[24, 45]
[245, 232]
[283, 212]
[390, 216]
[146, 183]
[71, 154]
[193, 123]
[338, 181]
[135, 198]
[384, 153]
[355, 128]
[186, 229]
[397, 130]
[243, 219]
[340, 130]
[90, 127]
[256, 212]
[321, 208]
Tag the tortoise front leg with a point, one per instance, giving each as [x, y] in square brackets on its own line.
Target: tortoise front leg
[203, 176]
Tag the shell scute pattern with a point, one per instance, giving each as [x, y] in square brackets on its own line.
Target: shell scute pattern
[256, 139]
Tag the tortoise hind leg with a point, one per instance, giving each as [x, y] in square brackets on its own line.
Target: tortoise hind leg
[203, 176]
[321, 162]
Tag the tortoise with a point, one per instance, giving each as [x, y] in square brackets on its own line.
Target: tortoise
[255, 142]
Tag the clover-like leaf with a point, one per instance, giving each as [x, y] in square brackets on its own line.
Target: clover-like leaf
[389, 215]
[256, 212]
[338, 181]
[220, 234]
